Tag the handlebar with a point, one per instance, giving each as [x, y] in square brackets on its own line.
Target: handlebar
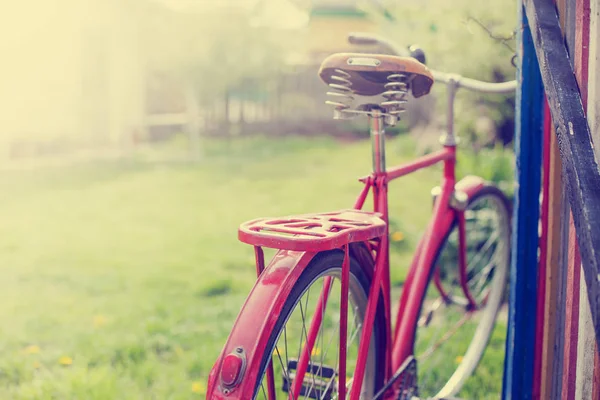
[473, 84]
[455, 80]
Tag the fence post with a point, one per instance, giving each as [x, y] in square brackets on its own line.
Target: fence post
[519, 362]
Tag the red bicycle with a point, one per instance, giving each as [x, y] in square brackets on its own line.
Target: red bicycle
[318, 322]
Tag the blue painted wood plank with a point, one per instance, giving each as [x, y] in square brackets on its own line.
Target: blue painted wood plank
[518, 365]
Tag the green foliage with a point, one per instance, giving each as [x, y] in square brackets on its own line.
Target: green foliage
[454, 42]
[495, 165]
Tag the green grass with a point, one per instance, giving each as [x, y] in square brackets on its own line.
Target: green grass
[121, 280]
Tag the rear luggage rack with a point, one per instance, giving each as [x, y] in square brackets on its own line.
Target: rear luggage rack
[313, 232]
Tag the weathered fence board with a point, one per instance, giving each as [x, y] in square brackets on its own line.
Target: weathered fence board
[588, 365]
[574, 142]
[564, 41]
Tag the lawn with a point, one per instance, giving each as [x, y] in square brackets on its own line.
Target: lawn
[121, 280]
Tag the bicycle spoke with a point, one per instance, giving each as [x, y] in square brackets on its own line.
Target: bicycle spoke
[314, 323]
[333, 336]
[446, 336]
[285, 371]
[287, 375]
[357, 326]
[318, 372]
[483, 275]
[337, 361]
[321, 334]
[482, 251]
[430, 342]
[262, 386]
[306, 348]
[331, 382]
[432, 363]
[437, 303]
[300, 347]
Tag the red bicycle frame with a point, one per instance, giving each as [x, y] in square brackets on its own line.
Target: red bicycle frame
[402, 343]
[248, 340]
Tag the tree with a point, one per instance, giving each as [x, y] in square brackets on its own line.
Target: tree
[209, 47]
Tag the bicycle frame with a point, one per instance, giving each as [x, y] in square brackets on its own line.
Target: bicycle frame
[401, 345]
[420, 270]
[402, 342]
[287, 266]
[248, 339]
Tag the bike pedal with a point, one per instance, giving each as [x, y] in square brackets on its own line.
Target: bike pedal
[318, 383]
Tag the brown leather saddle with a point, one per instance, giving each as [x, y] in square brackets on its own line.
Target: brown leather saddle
[370, 72]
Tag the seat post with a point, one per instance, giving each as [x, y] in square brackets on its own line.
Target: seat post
[449, 139]
[376, 123]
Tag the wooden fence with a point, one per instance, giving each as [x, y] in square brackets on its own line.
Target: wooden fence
[554, 318]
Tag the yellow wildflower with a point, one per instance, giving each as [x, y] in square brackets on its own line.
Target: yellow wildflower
[37, 365]
[99, 320]
[65, 361]
[458, 359]
[32, 349]
[397, 236]
[316, 351]
[198, 387]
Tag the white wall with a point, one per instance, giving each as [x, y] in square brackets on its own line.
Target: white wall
[67, 68]
[40, 68]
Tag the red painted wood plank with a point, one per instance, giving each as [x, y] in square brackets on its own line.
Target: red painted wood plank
[582, 42]
[543, 244]
[552, 303]
[555, 363]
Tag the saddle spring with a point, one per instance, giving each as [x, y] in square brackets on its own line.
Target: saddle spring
[395, 95]
[341, 93]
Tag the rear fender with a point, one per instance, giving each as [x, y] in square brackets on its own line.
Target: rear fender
[255, 321]
[470, 185]
[258, 317]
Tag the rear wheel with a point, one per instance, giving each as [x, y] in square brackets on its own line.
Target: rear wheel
[286, 340]
[451, 337]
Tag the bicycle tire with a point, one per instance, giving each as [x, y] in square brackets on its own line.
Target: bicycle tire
[478, 344]
[329, 264]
